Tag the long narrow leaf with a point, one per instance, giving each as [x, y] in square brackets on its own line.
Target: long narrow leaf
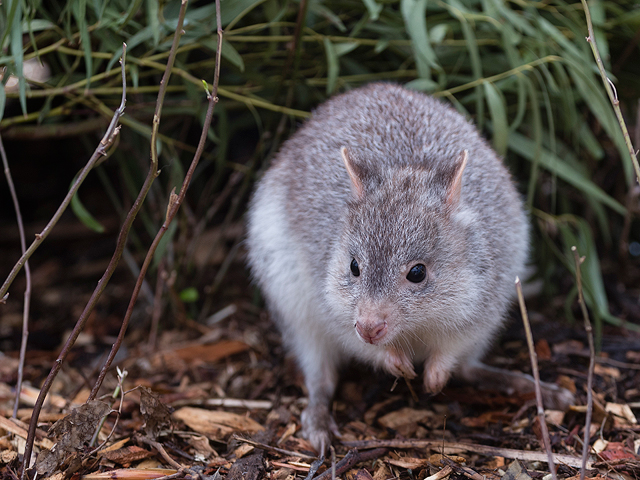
[525, 147]
[498, 118]
[80, 13]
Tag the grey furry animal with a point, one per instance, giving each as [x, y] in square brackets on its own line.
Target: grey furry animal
[389, 232]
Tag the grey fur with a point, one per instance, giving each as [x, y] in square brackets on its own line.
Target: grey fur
[308, 220]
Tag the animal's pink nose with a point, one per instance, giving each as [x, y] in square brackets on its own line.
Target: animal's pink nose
[371, 333]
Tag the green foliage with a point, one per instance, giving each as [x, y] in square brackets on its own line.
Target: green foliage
[520, 69]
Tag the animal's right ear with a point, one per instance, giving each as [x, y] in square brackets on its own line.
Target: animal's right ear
[455, 188]
[356, 174]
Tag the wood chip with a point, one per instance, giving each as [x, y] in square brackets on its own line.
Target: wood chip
[405, 416]
[130, 474]
[214, 424]
[409, 462]
[622, 414]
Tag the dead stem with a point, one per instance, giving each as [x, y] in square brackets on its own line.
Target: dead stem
[153, 173]
[613, 96]
[536, 377]
[592, 361]
[523, 455]
[106, 141]
[100, 151]
[352, 458]
[27, 272]
[176, 200]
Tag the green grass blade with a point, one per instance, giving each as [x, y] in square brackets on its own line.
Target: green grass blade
[12, 7]
[333, 67]
[18, 56]
[83, 214]
[498, 113]
[131, 11]
[373, 8]
[79, 8]
[414, 15]
[153, 21]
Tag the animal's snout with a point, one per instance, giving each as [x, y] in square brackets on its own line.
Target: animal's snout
[371, 332]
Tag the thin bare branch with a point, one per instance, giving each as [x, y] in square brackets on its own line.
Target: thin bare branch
[524, 455]
[175, 201]
[608, 84]
[107, 140]
[536, 377]
[27, 271]
[592, 361]
[153, 173]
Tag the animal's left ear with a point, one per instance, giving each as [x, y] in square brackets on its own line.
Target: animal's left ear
[455, 187]
[356, 172]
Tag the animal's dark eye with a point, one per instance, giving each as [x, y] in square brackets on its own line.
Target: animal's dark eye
[417, 273]
[355, 270]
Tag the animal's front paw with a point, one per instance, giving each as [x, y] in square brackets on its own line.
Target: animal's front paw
[318, 425]
[398, 364]
[436, 376]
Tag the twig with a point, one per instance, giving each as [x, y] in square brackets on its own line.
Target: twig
[269, 448]
[27, 272]
[352, 458]
[317, 463]
[536, 377]
[523, 455]
[107, 140]
[440, 474]
[163, 453]
[333, 462]
[613, 96]
[466, 471]
[153, 173]
[175, 200]
[592, 362]
[119, 390]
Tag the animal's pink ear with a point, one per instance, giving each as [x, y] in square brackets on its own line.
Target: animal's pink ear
[453, 195]
[354, 171]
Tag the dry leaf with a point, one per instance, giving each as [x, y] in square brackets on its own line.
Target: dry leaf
[632, 356]
[445, 472]
[127, 455]
[358, 474]
[214, 424]
[617, 451]
[567, 382]
[554, 417]
[405, 416]
[599, 445]
[436, 459]
[72, 433]
[409, 462]
[8, 456]
[201, 445]
[516, 472]
[622, 414]
[603, 371]
[157, 415]
[542, 350]
[288, 432]
[243, 449]
[382, 472]
[116, 446]
[196, 352]
[283, 473]
[130, 474]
